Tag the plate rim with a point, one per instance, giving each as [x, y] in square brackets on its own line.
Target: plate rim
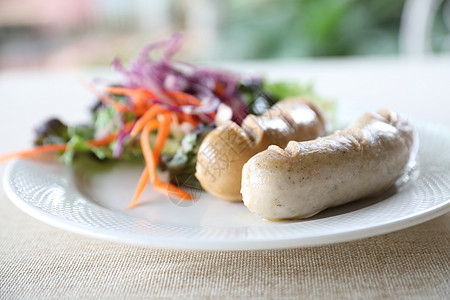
[218, 245]
[181, 243]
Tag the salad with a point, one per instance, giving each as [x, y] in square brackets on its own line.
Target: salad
[159, 113]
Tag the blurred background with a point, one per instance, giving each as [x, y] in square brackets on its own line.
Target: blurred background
[84, 33]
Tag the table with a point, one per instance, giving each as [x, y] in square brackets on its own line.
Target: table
[42, 262]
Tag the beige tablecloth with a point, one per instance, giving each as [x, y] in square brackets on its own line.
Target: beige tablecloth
[38, 261]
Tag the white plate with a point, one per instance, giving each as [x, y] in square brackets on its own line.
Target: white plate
[91, 202]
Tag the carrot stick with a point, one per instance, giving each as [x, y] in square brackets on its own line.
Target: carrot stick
[190, 119]
[104, 141]
[147, 151]
[164, 188]
[55, 148]
[127, 91]
[139, 97]
[149, 172]
[118, 90]
[163, 133]
[152, 159]
[104, 98]
[109, 138]
[140, 188]
[61, 147]
[171, 190]
[219, 88]
[212, 115]
[184, 98]
[34, 151]
[150, 114]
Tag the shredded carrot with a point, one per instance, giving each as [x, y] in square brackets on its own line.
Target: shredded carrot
[147, 151]
[164, 188]
[129, 92]
[152, 158]
[212, 115]
[150, 114]
[103, 97]
[140, 101]
[139, 97]
[193, 120]
[109, 138]
[219, 88]
[163, 133]
[61, 147]
[36, 150]
[149, 172]
[140, 188]
[104, 141]
[117, 90]
[171, 190]
[183, 98]
[147, 114]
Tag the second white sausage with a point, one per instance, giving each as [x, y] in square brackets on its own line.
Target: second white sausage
[308, 177]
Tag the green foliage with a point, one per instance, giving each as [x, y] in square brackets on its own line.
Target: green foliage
[181, 165]
[298, 28]
[52, 131]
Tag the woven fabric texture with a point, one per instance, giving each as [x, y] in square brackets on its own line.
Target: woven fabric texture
[38, 261]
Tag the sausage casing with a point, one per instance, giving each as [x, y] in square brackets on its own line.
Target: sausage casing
[227, 148]
[308, 177]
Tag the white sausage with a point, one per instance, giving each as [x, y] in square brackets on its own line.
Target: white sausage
[308, 177]
[224, 150]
